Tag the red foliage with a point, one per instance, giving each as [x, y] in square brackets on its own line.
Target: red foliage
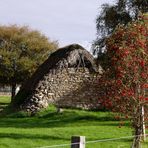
[125, 81]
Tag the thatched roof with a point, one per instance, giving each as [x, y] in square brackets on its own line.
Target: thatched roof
[70, 56]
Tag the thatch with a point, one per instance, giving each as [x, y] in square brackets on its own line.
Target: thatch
[70, 56]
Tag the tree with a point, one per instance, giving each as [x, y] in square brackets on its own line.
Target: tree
[122, 12]
[22, 50]
[124, 83]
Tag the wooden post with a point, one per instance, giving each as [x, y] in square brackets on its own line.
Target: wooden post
[78, 142]
[143, 124]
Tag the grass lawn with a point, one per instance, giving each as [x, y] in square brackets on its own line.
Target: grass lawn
[49, 128]
[4, 101]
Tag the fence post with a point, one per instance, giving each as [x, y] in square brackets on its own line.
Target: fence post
[78, 139]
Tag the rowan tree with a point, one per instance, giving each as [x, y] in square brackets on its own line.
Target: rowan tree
[22, 50]
[124, 84]
[121, 12]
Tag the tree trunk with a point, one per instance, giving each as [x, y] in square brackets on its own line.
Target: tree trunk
[137, 138]
[13, 91]
[139, 127]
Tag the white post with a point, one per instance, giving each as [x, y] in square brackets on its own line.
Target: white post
[78, 142]
[143, 124]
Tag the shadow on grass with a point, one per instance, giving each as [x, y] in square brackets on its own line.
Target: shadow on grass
[116, 140]
[53, 119]
[3, 104]
[30, 136]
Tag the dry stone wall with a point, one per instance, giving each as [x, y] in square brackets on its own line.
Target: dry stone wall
[69, 87]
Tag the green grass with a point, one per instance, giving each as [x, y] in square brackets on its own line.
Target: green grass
[4, 101]
[49, 128]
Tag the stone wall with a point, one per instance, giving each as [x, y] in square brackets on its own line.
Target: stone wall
[72, 87]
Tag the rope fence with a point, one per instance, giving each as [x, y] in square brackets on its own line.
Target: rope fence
[94, 141]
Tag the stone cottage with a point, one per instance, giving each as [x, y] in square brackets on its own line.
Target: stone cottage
[68, 78]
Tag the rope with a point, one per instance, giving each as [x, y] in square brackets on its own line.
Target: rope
[95, 141]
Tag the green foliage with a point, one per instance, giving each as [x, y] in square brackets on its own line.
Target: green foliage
[22, 50]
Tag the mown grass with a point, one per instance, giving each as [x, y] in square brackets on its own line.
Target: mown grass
[50, 128]
[4, 101]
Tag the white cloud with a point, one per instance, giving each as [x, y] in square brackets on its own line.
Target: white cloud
[69, 21]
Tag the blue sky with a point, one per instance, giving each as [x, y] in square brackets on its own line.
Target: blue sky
[68, 21]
